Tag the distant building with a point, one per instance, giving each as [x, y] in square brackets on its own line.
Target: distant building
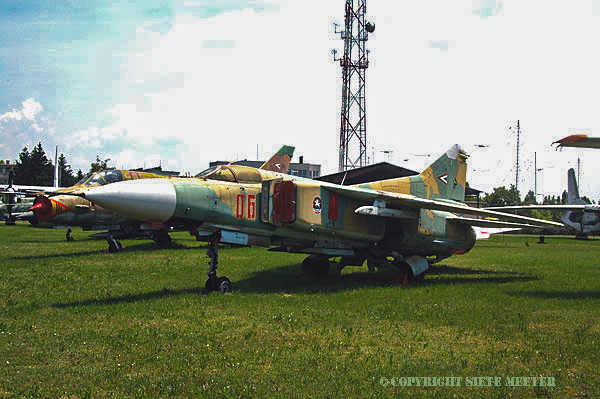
[158, 170]
[309, 170]
[5, 167]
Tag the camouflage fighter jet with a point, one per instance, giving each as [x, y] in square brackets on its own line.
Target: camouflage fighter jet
[64, 209]
[415, 220]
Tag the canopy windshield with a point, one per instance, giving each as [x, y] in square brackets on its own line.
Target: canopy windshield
[101, 178]
[220, 172]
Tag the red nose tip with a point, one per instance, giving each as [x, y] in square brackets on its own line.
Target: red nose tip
[39, 207]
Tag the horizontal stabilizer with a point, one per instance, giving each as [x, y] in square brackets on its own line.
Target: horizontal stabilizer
[484, 233]
[538, 207]
[488, 223]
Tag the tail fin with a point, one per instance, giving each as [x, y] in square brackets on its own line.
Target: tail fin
[446, 178]
[574, 198]
[280, 161]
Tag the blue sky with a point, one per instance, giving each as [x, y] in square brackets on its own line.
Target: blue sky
[71, 57]
[186, 82]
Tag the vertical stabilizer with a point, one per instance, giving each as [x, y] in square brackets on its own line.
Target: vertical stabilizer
[280, 161]
[446, 177]
[574, 198]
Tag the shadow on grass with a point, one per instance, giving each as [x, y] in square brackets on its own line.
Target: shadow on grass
[147, 296]
[291, 279]
[146, 246]
[558, 294]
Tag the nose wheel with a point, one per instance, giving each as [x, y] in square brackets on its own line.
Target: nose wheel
[214, 283]
[113, 244]
[221, 284]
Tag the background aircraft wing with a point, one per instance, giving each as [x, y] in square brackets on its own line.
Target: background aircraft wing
[28, 189]
[384, 199]
[539, 207]
[579, 140]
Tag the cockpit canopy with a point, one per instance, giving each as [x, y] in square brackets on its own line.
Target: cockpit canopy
[232, 173]
[101, 178]
[112, 176]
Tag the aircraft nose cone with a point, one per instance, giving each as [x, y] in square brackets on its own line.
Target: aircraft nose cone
[42, 207]
[148, 200]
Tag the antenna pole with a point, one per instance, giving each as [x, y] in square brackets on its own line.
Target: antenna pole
[535, 176]
[517, 168]
[56, 167]
[579, 171]
[354, 63]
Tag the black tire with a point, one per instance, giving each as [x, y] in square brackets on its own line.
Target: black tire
[114, 246]
[224, 285]
[163, 240]
[316, 266]
[322, 268]
[407, 271]
[210, 285]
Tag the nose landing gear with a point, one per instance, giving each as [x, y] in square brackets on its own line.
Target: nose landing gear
[214, 283]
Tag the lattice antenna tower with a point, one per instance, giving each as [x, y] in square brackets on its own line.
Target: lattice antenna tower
[517, 167]
[354, 63]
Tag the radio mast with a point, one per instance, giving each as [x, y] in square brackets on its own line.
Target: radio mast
[354, 63]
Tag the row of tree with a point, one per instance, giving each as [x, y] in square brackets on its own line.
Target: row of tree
[35, 169]
[501, 196]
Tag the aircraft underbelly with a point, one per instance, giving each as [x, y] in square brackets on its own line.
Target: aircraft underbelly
[433, 234]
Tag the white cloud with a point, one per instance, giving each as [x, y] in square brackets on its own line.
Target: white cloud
[274, 83]
[23, 127]
[29, 110]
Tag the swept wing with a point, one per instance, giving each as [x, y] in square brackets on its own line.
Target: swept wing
[410, 202]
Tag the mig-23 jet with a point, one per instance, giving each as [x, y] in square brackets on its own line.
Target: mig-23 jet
[415, 220]
[65, 209]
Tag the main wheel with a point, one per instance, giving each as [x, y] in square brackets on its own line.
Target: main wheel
[322, 268]
[224, 285]
[316, 266]
[406, 273]
[163, 240]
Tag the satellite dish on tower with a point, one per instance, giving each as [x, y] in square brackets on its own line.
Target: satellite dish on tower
[369, 27]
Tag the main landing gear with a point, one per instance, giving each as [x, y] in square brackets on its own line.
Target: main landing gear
[215, 283]
[162, 239]
[69, 237]
[316, 266]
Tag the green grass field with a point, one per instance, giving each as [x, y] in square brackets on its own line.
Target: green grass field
[76, 322]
